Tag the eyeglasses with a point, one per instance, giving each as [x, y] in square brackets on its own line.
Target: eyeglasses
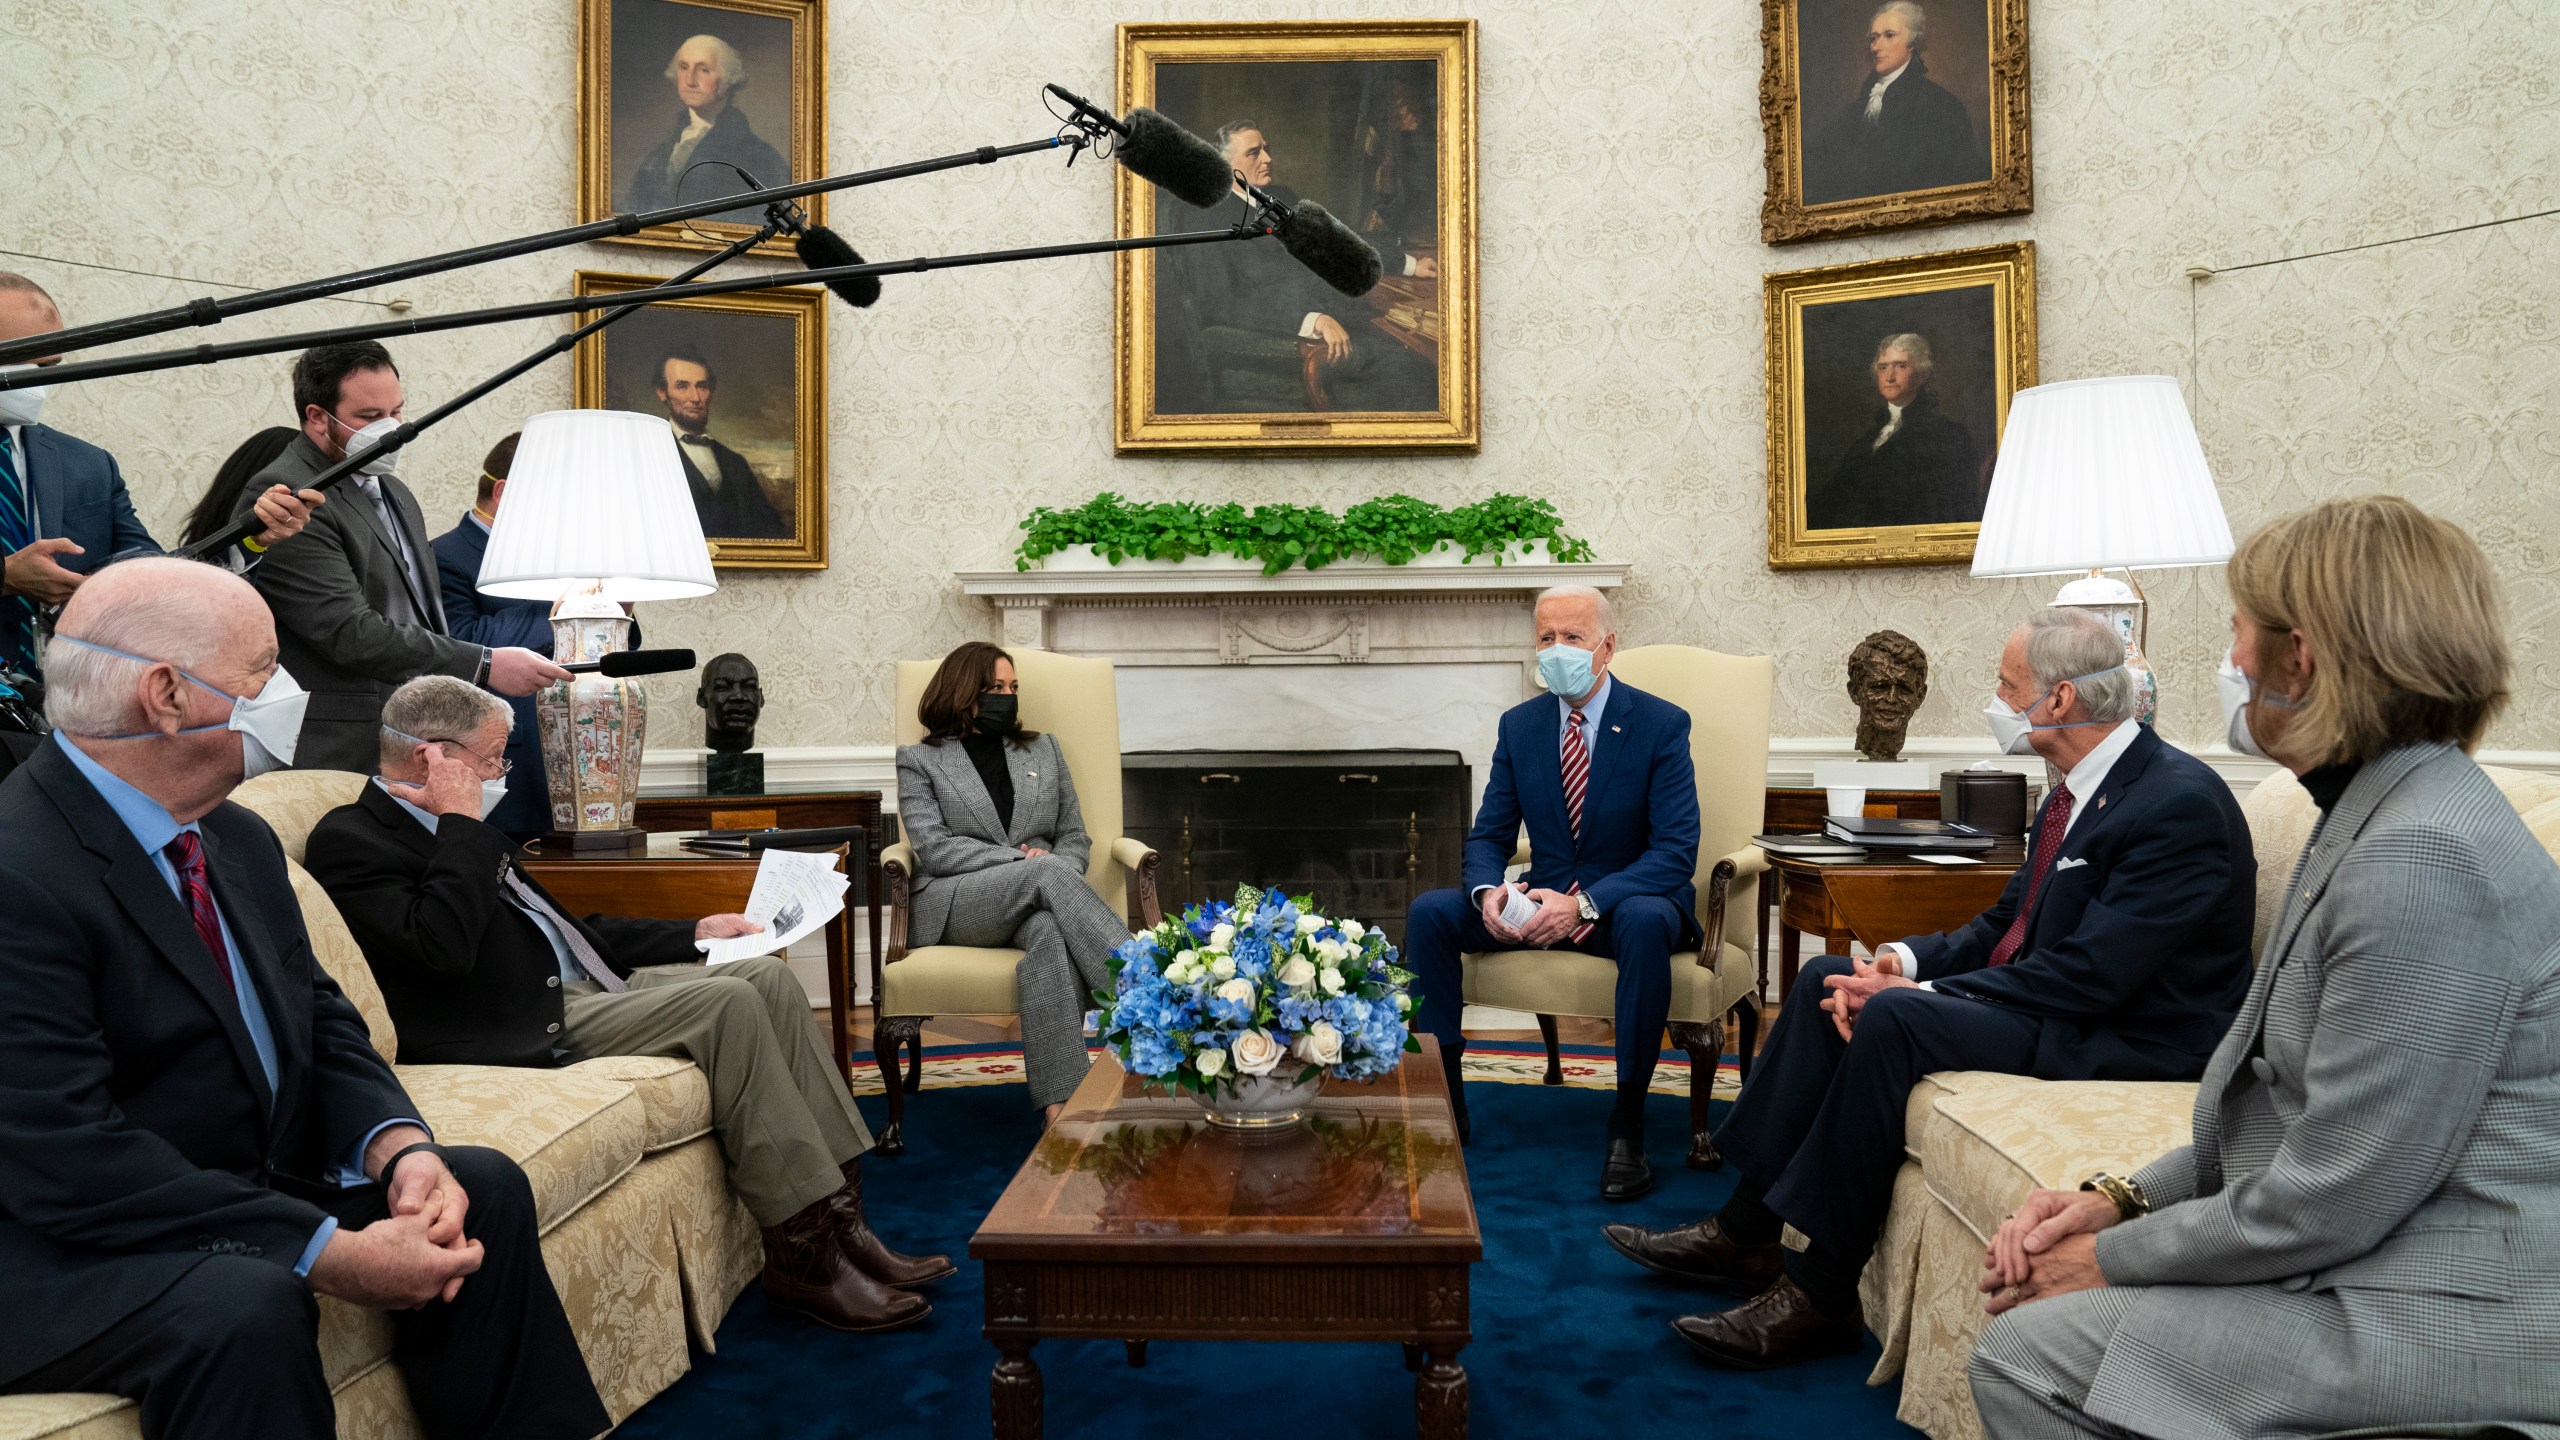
[505, 767]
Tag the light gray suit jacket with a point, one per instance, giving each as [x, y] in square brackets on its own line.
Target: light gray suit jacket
[352, 623]
[949, 817]
[2366, 1229]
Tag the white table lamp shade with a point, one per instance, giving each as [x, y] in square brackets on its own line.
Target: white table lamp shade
[2097, 474]
[597, 498]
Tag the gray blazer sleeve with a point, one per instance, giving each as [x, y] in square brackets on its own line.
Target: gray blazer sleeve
[310, 584]
[1071, 843]
[940, 849]
[2382, 1125]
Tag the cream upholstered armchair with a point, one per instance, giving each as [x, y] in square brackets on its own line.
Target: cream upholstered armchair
[1070, 698]
[1727, 697]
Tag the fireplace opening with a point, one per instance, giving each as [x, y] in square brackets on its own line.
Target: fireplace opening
[1364, 831]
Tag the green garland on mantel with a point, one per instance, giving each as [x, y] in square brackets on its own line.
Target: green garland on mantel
[1391, 529]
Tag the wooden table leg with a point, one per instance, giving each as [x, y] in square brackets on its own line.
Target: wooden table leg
[840, 991]
[1790, 940]
[1413, 1357]
[1015, 1389]
[1440, 1396]
[1137, 1353]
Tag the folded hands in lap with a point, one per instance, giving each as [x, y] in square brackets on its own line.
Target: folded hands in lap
[1557, 914]
[2048, 1247]
[415, 1254]
[1850, 992]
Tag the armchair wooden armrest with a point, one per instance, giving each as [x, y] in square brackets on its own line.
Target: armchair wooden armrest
[1746, 863]
[898, 868]
[1141, 860]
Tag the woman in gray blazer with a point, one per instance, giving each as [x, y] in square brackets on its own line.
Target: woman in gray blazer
[2365, 1233]
[1001, 849]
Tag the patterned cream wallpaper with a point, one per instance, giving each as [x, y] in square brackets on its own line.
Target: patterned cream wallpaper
[220, 140]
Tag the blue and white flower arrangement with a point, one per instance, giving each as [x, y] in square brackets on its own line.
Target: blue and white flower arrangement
[1261, 988]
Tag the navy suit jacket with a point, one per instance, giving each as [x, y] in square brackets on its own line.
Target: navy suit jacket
[81, 497]
[1639, 808]
[488, 620]
[2137, 948]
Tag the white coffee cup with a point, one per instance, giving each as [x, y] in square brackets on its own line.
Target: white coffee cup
[1848, 802]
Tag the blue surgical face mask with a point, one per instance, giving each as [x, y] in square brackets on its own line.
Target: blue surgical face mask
[2012, 727]
[1566, 671]
[269, 722]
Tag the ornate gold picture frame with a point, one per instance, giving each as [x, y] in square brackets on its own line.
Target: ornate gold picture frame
[1889, 386]
[676, 96]
[1234, 346]
[742, 380]
[1890, 114]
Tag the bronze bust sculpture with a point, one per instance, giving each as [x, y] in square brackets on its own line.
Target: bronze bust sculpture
[1888, 678]
[731, 699]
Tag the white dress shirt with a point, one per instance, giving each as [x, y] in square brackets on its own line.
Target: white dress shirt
[1875, 97]
[1892, 422]
[697, 448]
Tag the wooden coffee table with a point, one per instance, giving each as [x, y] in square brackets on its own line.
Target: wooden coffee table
[1137, 1220]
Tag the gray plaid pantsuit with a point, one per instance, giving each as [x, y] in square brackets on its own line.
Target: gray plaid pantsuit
[976, 887]
[2365, 1233]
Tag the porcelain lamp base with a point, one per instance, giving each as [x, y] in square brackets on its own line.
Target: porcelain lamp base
[593, 730]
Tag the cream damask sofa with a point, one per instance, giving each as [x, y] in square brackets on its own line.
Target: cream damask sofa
[1979, 1142]
[639, 1229]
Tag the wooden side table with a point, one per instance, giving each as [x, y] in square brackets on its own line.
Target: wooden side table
[1790, 811]
[783, 809]
[665, 881]
[1882, 898]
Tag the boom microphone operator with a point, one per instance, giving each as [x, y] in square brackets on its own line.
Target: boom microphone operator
[1160, 152]
[1323, 244]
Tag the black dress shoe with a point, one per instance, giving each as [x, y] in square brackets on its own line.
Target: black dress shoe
[1626, 1174]
[1700, 1252]
[1779, 1326]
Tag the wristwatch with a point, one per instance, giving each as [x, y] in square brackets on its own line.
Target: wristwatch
[1582, 900]
[2129, 1200]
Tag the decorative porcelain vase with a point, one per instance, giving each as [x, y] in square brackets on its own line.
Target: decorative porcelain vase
[593, 727]
[1262, 1103]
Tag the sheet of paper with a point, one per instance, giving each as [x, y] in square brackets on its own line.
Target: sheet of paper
[1516, 907]
[1948, 859]
[796, 891]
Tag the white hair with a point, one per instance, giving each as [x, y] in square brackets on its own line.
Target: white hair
[1599, 602]
[733, 66]
[1915, 348]
[2065, 643]
[90, 692]
[437, 707]
[1913, 17]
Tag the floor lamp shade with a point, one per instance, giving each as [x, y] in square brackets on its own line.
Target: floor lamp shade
[597, 501]
[2097, 475]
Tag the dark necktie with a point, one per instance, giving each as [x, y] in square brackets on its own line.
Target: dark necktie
[186, 856]
[17, 532]
[2057, 818]
[1577, 778]
[528, 898]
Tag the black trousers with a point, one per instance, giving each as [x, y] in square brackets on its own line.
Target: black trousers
[232, 1348]
[1818, 1130]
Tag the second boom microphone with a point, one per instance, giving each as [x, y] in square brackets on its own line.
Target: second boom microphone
[1161, 153]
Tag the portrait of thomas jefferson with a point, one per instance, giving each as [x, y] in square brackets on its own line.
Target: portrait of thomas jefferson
[1900, 130]
[706, 129]
[1909, 463]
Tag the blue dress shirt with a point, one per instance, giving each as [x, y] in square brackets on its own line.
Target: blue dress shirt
[153, 827]
[1591, 709]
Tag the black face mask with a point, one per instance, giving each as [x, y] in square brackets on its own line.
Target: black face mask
[997, 713]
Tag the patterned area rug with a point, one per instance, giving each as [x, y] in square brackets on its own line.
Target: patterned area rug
[1501, 1062]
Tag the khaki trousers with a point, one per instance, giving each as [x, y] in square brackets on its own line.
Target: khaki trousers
[783, 1116]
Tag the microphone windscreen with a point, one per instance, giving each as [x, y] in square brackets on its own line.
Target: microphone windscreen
[1326, 245]
[643, 662]
[823, 249]
[1163, 153]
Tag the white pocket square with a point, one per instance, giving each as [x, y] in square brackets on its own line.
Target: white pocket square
[2069, 864]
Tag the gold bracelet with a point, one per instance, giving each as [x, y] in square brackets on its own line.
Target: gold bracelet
[2127, 1196]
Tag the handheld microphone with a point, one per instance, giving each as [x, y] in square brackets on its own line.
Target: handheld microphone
[1323, 244]
[1160, 152]
[634, 662]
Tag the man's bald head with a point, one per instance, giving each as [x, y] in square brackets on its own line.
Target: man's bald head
[178, 613]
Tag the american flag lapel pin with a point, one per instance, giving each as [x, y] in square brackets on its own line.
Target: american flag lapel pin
[1613, 729]
[2102, 802]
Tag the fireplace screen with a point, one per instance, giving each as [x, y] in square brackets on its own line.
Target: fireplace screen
[1364, 831]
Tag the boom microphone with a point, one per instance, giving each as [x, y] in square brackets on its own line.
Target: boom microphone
[823, 249]
[634, 662]
[1160, 152]
[1324, 245]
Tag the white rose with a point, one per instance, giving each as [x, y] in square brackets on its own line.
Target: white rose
[1238, 989]
[1257, 1053]
[1321, 1045]
[1332, 982]
[1404, 1003]
[1183, 974]
[1224, 967]
[1221, 937]
[1310, 924]
[1187, 958]
[1210, 1063]
[1332, 951]
[1352, 930]
[1297, 972]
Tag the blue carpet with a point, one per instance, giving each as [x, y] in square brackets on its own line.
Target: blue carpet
[1572, 1341]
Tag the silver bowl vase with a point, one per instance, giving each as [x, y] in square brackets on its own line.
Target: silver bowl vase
[1262, 1103]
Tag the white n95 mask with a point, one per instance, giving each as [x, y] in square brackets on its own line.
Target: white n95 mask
[386, 463]
[21, 407]
[269, 722]
[491, 792]
[2236, 691]
[2010, 728]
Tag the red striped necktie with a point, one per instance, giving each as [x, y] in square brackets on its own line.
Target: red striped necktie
[1577, 778]
[2057, 818]
[186, 856]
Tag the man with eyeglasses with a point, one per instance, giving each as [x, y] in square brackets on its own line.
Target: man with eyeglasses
[480, 966]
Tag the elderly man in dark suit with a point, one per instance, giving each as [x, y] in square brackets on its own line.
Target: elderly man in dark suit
[1911, 463]
[712, 132]
[1598, 773]
[1902, 131]
[196, 1134]
[727, 495]
[355, 597]
[64, 509]
[2119, 951]
[481, 967]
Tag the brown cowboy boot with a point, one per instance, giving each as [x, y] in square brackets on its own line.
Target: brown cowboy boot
[807, 1273]
[866, 1249]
